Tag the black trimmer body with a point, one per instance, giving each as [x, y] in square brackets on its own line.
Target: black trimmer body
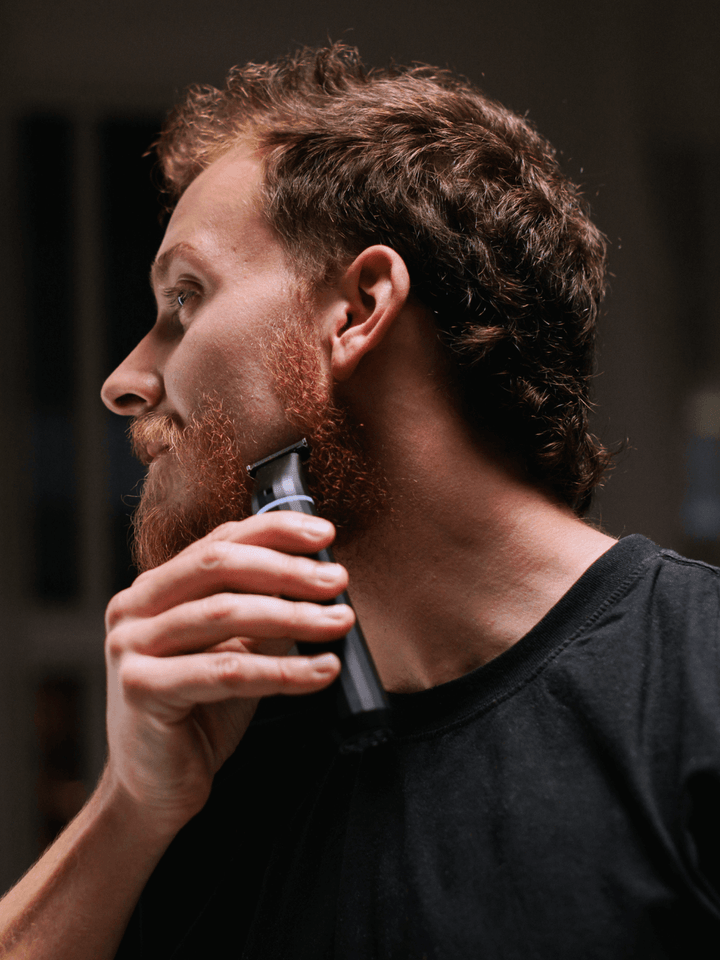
[361, 705]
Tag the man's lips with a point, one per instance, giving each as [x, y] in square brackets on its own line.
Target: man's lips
[152, 436]
[153, 450]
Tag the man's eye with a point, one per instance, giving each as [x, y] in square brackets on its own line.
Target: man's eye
[183, 296]
[178, 297]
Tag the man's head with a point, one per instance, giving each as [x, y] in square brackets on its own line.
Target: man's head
[234, 368]
[297, 188]
[496, 240]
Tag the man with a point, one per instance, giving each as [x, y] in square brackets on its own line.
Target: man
[395, 267]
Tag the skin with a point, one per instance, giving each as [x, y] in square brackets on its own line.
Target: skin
[443, 582]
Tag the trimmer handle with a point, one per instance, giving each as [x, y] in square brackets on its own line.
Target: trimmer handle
[363, 711]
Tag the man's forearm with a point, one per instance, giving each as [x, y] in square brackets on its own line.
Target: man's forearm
[75, 902]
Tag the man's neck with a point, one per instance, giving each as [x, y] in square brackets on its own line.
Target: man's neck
[467, 562]
[469, 556]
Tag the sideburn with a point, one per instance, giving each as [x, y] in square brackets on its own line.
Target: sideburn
[347, 484]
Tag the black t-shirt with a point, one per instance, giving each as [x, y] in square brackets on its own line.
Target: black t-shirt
[562, 801]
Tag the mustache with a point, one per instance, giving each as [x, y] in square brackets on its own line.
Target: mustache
[152, 433]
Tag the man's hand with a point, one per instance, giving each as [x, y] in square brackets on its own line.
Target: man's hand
[192, 645]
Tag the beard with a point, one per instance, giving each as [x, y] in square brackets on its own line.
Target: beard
[200, 479]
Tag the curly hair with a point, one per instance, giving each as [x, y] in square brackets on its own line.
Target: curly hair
[497, 240]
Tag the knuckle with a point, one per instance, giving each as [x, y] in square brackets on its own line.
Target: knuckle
[301, 615]
[301, 569]
[227, 530]
[219, 607]
[285, 675]
[213, 554]
[228, 668]
[291, 568]
[115, 644]
[131, 681]
[117, 609]
[144, 576]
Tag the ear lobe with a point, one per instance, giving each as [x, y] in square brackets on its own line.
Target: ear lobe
[374, 289]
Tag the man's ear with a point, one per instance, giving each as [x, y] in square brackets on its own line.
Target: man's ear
[373, 291]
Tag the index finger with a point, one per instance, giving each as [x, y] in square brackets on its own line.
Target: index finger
[286, 530]
[228, 559]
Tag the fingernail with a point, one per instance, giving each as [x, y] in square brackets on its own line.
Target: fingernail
[338, 611]
[316, 526]
[325, 663]
[328, 573]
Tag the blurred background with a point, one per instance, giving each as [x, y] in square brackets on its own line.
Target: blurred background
[628, 92]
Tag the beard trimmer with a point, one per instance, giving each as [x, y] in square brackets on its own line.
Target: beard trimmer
[362, 709]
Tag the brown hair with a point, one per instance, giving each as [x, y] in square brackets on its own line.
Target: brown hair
[497, 241]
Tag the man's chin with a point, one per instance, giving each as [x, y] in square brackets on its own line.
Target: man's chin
[164, 527]
[165, 482]
[198, 483]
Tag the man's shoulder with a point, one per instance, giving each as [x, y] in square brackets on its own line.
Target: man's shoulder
[652, 576]
[641, 618]
[686, 568]
[682, 588]
[656, 631]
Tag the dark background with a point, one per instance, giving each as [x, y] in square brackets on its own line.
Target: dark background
[628, 92]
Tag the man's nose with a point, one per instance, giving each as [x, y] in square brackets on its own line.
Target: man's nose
[136, 386]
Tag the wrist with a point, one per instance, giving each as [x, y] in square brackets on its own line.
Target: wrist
[150, 825]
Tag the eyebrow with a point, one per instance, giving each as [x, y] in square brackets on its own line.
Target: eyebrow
[161, 264]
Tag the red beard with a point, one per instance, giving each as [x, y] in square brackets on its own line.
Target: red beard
[197, 483]
[201, 481]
